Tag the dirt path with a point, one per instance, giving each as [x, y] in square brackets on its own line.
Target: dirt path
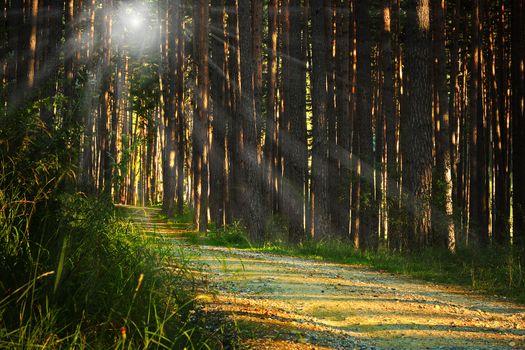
[292, 303]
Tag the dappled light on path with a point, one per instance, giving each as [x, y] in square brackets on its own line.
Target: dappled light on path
[291, 303]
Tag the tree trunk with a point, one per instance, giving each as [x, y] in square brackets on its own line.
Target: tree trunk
[251, 180]
[453, 112]
[201, 119]
[179, 90]
[501, 212]
[219, 123]
[442, 223]
[342, 150]
[363, 236]
[105, 175]
[478, 156]
[389, 116]
[168, 78]
[31, 62]
[293, 146]
[417, 126]
[257, 40]
[270, 145]
[234, 136]
[518, 120]
[319, 189]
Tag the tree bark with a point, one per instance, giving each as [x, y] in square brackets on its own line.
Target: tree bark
[219, 122]
[319, 189]
[501, 211]
[363, 236]
[443, 225]
[389, 116]
[180, 118]
[201, 118]
[342, 150]
[478, 155]
[270, 145]
[417, 126]
[518, 120]
[252, 178]
[105, 171]
[168, 77]
[293, 128]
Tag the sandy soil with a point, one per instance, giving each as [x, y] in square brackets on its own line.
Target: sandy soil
[292, 303]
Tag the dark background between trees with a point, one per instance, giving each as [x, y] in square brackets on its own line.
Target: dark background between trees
[388, 124]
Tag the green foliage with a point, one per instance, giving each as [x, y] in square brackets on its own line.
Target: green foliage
[234, 235]
[96, 284]
[73, 274]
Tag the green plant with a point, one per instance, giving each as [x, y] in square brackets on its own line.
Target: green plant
[73, 274]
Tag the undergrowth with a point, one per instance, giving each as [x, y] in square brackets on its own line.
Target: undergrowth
[73, 273]
[94, 282]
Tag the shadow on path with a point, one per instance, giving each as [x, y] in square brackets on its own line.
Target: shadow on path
[292, 303]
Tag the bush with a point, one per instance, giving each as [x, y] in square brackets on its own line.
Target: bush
[73, 274]
[95, 283]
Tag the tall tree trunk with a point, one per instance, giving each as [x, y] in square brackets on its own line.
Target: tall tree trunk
[219, 123]
[478, 156]
[104, 103]
[293, 129]
[69, 69]
[417, 126]
[201, 119]
[319, 189]
[31, 62]
[270, 145]
[389, 116]
[443, 225]
[168, 77]
[50, 40]
[179, 87]
[518, 120]
[257, 40]
[501, 211]
[363, 236]
[453, 112]
[234, 136]
[342, 149]
[253, 216]
[342, 154]
[333, 171]
[115, 120]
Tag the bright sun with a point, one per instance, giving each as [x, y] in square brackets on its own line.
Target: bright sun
[133, 19]
[134, 27]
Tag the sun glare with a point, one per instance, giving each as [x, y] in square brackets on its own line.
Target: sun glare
[135, 28]
[133, 19]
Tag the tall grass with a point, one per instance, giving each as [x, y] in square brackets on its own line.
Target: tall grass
[73, 274]
[94, 282]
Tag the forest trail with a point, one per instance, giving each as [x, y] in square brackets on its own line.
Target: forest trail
[292, 303]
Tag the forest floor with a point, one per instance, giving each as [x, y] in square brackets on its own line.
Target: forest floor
[281, 302]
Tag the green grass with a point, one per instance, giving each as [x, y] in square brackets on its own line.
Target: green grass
[73, 272]
[495, 271]
[96, 282]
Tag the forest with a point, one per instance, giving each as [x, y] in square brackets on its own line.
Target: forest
[382, 127]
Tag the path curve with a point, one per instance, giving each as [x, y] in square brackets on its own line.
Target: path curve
[292, 303]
